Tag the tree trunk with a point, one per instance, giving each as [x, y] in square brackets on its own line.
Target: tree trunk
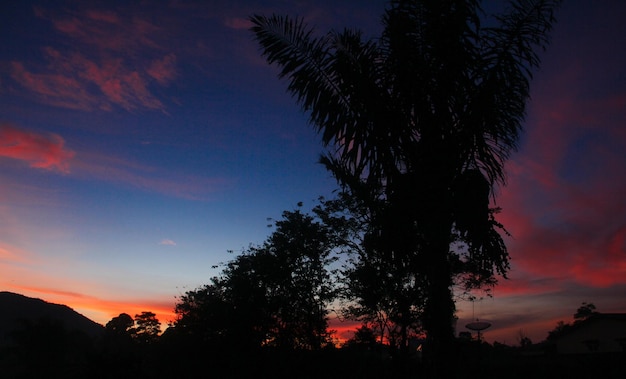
[439, 314]
[437, 221]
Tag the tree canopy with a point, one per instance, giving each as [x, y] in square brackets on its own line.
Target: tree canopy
[419, 124]
[276, 294]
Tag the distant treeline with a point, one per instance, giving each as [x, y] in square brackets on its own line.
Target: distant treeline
[48, 349]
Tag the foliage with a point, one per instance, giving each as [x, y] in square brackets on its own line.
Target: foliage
[363, 336]
[203, 315]
[147, 328]
[561, 328]
[585, 311]
[45, 347]
[121, 325]
[275, 294]
[419, 124]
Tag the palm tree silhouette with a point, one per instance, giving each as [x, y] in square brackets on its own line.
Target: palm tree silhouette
[420, 123]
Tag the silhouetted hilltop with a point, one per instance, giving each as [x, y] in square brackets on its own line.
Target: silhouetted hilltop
[15, 307]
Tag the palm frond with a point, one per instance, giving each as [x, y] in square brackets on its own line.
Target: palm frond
[496, 110]
[306, 61]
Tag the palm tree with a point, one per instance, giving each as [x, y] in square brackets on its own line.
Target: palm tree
[419, 124]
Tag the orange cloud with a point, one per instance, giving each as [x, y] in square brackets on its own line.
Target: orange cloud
[41, 151]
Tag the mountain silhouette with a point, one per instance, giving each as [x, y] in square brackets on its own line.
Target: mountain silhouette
[16, 308]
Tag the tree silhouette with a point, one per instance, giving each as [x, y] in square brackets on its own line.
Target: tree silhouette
[274, 294]
[363, 337]
[203, 316]
[45, 347]
[585, 311]
[420, 123]
[120, 325]
[289, 280]
[147, 328]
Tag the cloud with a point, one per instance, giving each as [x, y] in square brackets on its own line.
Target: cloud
[41, 151]
[564, 203]
[56, 89]
[565, 208]
[10, 255]
[115, 60]
[145, 177]
[163, 70]
[121, 31]
[167, 242]
[76, 82]
[238, 23]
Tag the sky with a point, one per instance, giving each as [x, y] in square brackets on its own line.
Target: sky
[141, 141]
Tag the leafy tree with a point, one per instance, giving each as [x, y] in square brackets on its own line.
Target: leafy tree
[561, 328]
[118, 346]
[147, 327]
[45, 348]
[523, 339]
[203, 315]
[380, 288]
[420, 123]
[291, 269]
[364, 336]
[273, 294]
[585, 311]
[387, 295]
[121, 325]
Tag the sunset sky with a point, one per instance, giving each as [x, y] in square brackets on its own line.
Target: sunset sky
[139, 143]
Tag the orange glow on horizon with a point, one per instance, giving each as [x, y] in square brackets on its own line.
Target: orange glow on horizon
[100, 310]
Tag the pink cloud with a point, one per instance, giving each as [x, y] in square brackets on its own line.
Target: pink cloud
[105, 16]
[163, 70]
[520, 284]
[238, 23]
[564, 202]
[115, 61]
[56, 89]
[123, 87]
[572, 232]
[106, 30]
[167, 242]
[76, 82]
[147, 178]
[41, 151]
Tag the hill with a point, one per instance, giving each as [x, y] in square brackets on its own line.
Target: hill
[14, 308]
